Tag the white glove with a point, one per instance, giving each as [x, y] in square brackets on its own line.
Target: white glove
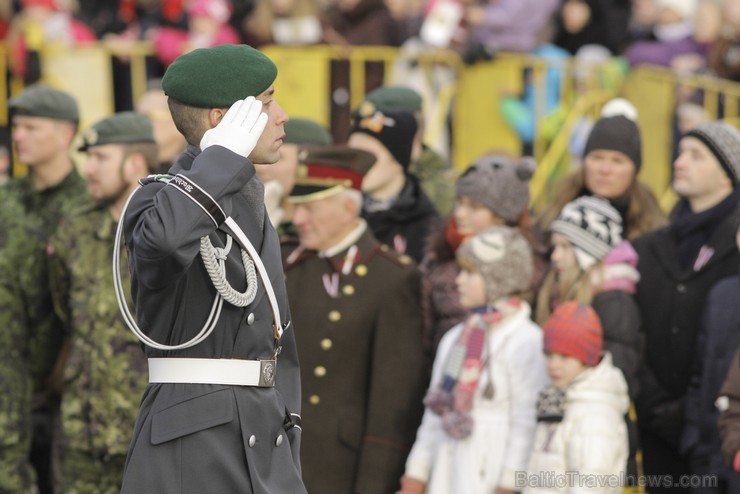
[239, 129]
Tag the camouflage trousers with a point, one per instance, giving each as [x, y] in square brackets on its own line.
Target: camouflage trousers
[83, 474]
[16, 474]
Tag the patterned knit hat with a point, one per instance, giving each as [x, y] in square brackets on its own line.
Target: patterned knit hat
[723, 140]
[617, 133]
[592, 225]
[499, 183]
[395, 130]
[574, 329]
[503, 257]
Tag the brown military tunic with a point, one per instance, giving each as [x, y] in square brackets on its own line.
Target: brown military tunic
[362, 369]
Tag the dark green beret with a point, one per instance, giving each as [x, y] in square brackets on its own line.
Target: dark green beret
[121, 128]
[40, 100]
[216, 77]
[305, 131]
[390, 99]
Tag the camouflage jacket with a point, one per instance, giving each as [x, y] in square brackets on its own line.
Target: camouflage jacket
[26, 322]
[52, 203]
[106, 370]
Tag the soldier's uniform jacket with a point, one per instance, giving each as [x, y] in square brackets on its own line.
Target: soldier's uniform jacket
[106, 371]
[195, 438]
[362, 368]
[46, 208]
[27, 324]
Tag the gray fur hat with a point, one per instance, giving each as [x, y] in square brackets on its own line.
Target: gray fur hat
[503, 257]
[499, 183]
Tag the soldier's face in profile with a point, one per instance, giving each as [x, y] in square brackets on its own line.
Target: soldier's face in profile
[105, 173]
[268, 146]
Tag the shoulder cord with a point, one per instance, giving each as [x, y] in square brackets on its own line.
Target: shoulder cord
[210, 324]
[214, 259]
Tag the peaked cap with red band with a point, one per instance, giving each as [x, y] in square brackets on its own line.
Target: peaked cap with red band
[325, 170]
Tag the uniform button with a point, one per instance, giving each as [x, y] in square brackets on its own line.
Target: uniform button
[319, 371]
[361, 270]
[252, 441]
[404, 259]
[250, 318]
[314, 399]
[681, 288]
[334, 316]
[326, 344]
[279, 440]
[674, 330]
[348, 290]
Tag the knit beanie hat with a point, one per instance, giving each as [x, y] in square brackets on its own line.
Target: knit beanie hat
[395, 130]
[592, 225]
[504, 259]
[574, 329]
[617, 133]
[723, 140]
[499, 183]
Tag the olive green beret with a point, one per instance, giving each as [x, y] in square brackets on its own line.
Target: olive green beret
[216, 77]
[390, 99]
[305, 131]
[40, 100]
[121, 128]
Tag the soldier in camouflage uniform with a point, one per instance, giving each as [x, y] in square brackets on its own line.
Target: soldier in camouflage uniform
[44, 123]
[25, 319]
[105, 372]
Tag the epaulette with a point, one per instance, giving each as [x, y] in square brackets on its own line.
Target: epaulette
[294, 253]
[398, 259]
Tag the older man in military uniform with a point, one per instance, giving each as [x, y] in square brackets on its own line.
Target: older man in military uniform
[104, 369]
[27, 323]
[221, 412]
[44, 123]
[356, 307]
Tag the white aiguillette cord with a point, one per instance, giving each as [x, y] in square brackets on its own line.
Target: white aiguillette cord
[231, 228]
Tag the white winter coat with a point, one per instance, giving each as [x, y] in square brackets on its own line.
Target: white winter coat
[503, 426]
[590, 441]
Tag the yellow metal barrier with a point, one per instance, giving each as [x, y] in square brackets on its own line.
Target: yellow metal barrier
[465, 100]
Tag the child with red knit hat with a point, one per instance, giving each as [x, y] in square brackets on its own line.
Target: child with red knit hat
[581, 435]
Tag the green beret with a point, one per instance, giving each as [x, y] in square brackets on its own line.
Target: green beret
[121, 128]
[390, 99]
[216, 77]
[43, 101]
[304, 131]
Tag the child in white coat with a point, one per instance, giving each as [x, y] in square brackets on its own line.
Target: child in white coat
[581, 439]
[480, 418]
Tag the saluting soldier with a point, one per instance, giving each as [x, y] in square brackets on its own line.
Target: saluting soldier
[356, 308]
[221, 412]
[104, 371]
[44, 123]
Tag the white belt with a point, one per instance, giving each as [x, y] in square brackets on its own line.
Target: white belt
[212, 371]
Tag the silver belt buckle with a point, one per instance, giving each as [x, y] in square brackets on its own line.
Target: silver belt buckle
[267, 373]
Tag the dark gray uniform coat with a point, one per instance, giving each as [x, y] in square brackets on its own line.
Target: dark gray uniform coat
[198, 438]
[363, 370]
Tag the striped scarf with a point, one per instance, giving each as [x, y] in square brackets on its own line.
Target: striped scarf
[453, 398]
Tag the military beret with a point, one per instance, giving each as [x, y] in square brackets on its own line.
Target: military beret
[304, 131]
[40, 100]
[218, 76]
[325, 170]
[390, 99]
[121, 128]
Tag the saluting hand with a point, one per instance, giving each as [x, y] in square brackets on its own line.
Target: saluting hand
[239, 129]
